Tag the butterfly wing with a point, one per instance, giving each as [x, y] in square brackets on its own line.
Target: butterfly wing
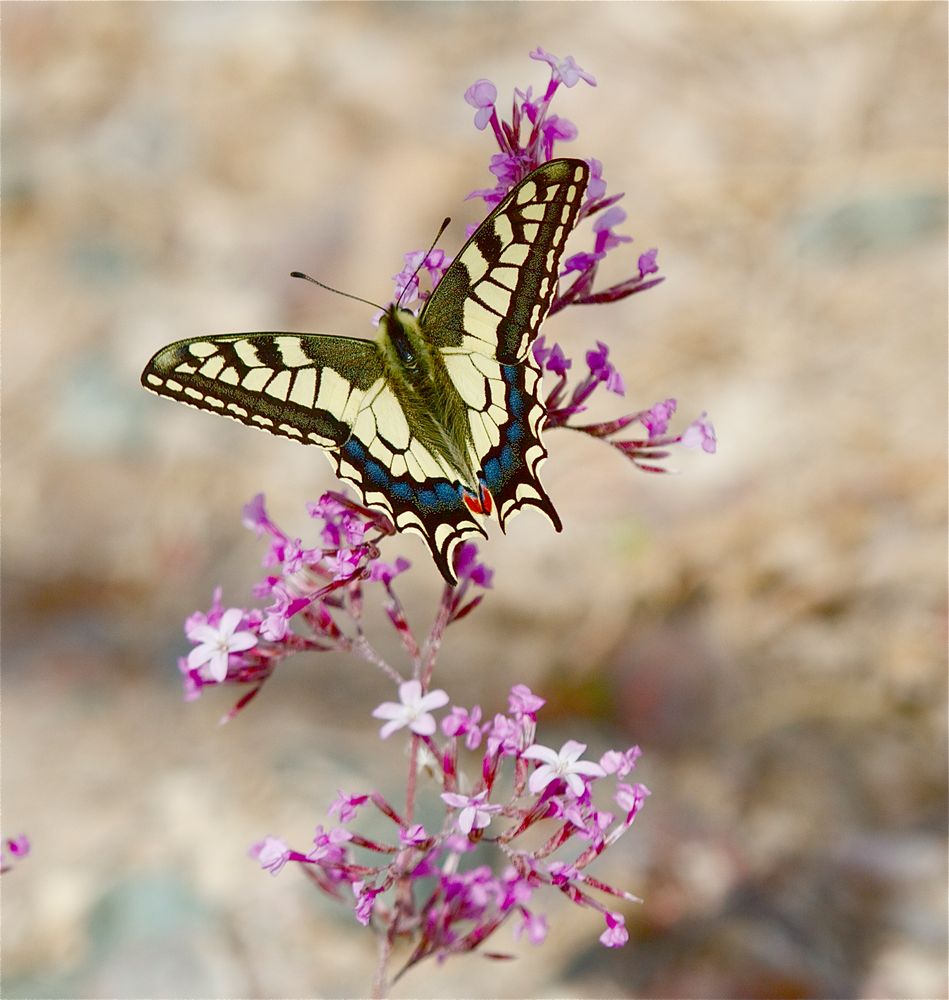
[486, 312]
[308, 387]
[394, 471]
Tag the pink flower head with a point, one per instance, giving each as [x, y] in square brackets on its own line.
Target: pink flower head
[412, 710]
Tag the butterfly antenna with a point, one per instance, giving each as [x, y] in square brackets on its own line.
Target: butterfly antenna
[336, 291]
[411, 280]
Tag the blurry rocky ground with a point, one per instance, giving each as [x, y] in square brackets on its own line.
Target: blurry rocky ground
[769, 625]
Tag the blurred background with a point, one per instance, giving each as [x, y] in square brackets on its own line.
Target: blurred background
[769, 625]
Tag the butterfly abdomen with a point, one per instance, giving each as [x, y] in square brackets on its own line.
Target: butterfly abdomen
[419, 378]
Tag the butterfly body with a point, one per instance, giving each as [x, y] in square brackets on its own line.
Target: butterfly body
[436, 422]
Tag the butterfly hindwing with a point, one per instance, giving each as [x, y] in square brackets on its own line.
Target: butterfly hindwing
[400, 476]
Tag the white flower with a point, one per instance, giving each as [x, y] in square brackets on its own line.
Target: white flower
[475, 811]
[411, 710]
[216, 643]
[565, 764]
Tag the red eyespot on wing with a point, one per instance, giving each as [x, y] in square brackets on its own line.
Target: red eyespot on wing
[482, 504]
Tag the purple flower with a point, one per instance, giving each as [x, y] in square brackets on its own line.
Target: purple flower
[554, 128]
[385, 572]
[603, 370]
[503, 736]
[482, 95]
[596, 186]
[552, 358]
[467, 566]
[656, 418]
[603, 225]
[566, 70]
[274, 626]
[19, 846]
[647, 262]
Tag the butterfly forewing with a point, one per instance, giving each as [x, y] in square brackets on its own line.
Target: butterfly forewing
[303, 386]
[496, 293]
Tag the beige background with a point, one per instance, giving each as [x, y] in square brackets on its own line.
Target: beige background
[769, 625]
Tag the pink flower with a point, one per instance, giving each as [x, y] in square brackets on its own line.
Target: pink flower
[565, 70]
[700, 434]
[272, 853]
[615, 935]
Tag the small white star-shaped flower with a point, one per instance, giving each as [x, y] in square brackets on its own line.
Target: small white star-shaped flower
[566, 764]
[412, 710]
[218, 642]
[475, 810]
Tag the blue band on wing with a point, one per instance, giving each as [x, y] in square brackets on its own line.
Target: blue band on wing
[432, 495]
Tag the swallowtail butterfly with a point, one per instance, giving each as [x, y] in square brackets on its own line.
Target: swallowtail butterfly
[436, 422]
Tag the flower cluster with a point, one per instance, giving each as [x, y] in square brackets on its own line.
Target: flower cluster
[437, 886]
[526, 141]
[643, 451]
[320, 590]
[432, 887]
[11, 850]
